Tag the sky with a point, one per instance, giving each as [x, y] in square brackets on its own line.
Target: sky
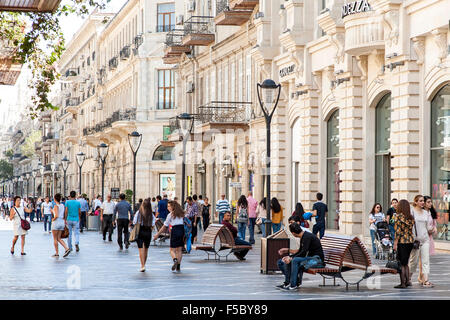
[9, 94]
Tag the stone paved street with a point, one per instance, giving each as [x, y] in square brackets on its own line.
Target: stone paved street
[107, 273]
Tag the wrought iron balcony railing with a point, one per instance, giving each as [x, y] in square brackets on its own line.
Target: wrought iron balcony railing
[126, 115]
[174, 37]
[165, 27]
[225, 112]
[222, 5]
[199, 25]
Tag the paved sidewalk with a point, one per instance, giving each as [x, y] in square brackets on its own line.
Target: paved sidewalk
[106, 273]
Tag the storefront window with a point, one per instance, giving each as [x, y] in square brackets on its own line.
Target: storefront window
[163, 153]
[333, 171]
[382, 152]
[440, 159]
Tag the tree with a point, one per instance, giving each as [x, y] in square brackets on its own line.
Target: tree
[6, 170]
[27, 149]
[39, 43]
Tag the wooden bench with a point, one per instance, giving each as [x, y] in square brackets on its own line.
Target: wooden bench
[343, 253]
[226, 242]
[163, 236]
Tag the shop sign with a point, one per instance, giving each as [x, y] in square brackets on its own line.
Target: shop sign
[355, 7]
[167, 185]
[287, 71]
[235, 184]
[115, 193]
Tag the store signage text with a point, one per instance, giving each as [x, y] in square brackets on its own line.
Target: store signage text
[355, 7]
[287, 71]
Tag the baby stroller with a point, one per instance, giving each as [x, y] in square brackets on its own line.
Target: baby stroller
[384, 242]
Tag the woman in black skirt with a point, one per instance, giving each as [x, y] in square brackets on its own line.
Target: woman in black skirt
[404, 239]
[147, 220]
[174, 219]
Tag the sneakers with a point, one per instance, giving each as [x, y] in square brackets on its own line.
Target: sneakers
[66, 253]
[178, 267]
[175, 264]
[77, 247]
[283, 285]
[289, 288]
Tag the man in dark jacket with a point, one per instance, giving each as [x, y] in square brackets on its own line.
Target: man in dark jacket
[310, 255]
[239, 253]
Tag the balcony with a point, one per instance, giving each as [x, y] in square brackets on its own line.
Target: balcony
[174, 44]
[45, 117]
[113, 63]
[171, 59]
[125, 53]
[118, 116]
[227, 17]
[29, 6]
[223, 115]
[243, 4]
[71, 135]
[198, 31]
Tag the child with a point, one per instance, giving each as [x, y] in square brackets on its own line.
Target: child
[97, 211]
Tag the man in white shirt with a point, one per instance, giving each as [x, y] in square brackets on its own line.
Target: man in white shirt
[47, 214]
[106, 217]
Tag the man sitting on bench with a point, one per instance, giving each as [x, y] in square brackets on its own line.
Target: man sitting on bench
[310, 255]
[239, 253]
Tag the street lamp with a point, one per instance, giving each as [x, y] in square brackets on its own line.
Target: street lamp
[185, 122]
[20, 182]
[268, 90]
[102, 149]
[27, 175]
[42, 169]
[80, 160]
[134, 139]
[65, 165]
[53, 168]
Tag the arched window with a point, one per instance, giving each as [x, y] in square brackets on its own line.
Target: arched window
[333, 170]
[163, 153]
[440, 158]
[382, 151]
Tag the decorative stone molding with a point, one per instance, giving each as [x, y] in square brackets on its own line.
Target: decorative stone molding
[419, 49]
[362, 63]
[391, 20]
[317, 78]
[338, 41]
[379, 58]
[440, 38]
[297, 56]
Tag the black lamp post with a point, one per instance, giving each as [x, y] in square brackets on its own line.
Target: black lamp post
[268, 89]
[80, 160]
[65, 166]
[27, 176]
[42, 169]
[185, 122]
[134, 139]
[53, 168]
[102, 149]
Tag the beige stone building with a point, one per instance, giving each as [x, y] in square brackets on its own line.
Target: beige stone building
[363, 114]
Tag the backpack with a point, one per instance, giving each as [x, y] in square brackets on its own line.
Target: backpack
[187, 227]
[243, 215]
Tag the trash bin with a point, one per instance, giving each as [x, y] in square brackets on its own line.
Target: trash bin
[93, 223]
[269, 250]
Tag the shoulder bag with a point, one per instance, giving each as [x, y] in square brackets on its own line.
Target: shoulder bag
[65, 233]
[24, 224]
[135, 232]
[416, 244]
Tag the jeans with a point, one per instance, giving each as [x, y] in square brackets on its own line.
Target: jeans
[294, 270]
[241, 230]
[251, 230]
[38, 215]
[221, 214]
[74, 226]
[276, 227]
[47, 219]
[372, 235]
[83, 220]
[240, 253]
[263, 226]
[32, 216]
[122, 227]
[392, 232]
[319, 227]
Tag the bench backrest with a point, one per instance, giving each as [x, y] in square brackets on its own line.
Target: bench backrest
[211, 233]
[159, 223]
[344, 251]
[226, 237]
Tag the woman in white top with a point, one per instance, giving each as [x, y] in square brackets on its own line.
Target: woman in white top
[17, 213]
[58, 224]
[261, 215]
[422, 229]
[376, 215]
[175, 219]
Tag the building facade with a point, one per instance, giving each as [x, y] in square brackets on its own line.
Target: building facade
[363, 110]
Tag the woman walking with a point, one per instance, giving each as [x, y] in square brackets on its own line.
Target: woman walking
[242, 216]
[404, 239]
[428, 206]
[176, 220]
[206, 214]
[147, 220]
[376, 215]
[261, 214]
[422, 229]
[277, 215]
[58, 224]
[17, 213]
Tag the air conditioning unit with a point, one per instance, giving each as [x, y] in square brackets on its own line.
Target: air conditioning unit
[259, 15]
[190, 87]
[179, 20]
[191, 6]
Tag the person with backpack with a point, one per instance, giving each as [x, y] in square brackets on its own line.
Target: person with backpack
[175, 218]
[242, 216]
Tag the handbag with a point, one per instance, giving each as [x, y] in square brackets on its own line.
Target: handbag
[24, 224]
[135, 232]
[65, 233]
[416, 244]
[394, 264]
[258, 221]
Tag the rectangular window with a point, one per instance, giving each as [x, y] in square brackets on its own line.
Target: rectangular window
[166, 17]
[233, 82]
[166, 89]
[207, 89]
[240, 84]
[248, 75]
[219, 84]
[226, 83]
[213, 85]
